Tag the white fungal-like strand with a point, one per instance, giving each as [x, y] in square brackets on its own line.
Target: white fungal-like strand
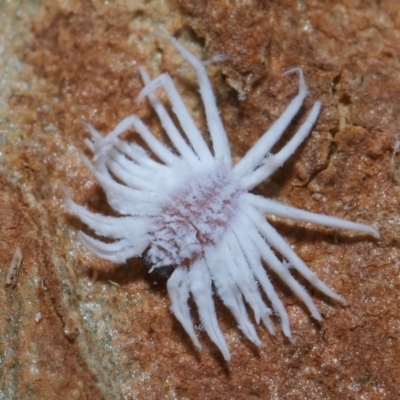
[275, 161]
[262, 147]
[180, 110]
[200, 287]
[184, 150]
[273, 207]
[222, 151]
[188, 211]
[179, 293]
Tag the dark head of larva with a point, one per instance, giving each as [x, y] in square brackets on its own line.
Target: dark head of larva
[196, 215]
[163, 271]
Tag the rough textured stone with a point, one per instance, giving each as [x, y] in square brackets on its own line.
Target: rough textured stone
[107, 332]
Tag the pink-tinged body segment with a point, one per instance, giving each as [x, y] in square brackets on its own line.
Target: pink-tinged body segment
[195, 216]
[189, 208]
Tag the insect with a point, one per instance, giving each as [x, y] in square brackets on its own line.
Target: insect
[188, 208]
[164, 271]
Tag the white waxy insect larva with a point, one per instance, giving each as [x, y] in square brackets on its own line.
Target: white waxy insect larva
[187, 210]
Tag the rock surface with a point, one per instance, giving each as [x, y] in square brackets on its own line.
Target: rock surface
[77, 327]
